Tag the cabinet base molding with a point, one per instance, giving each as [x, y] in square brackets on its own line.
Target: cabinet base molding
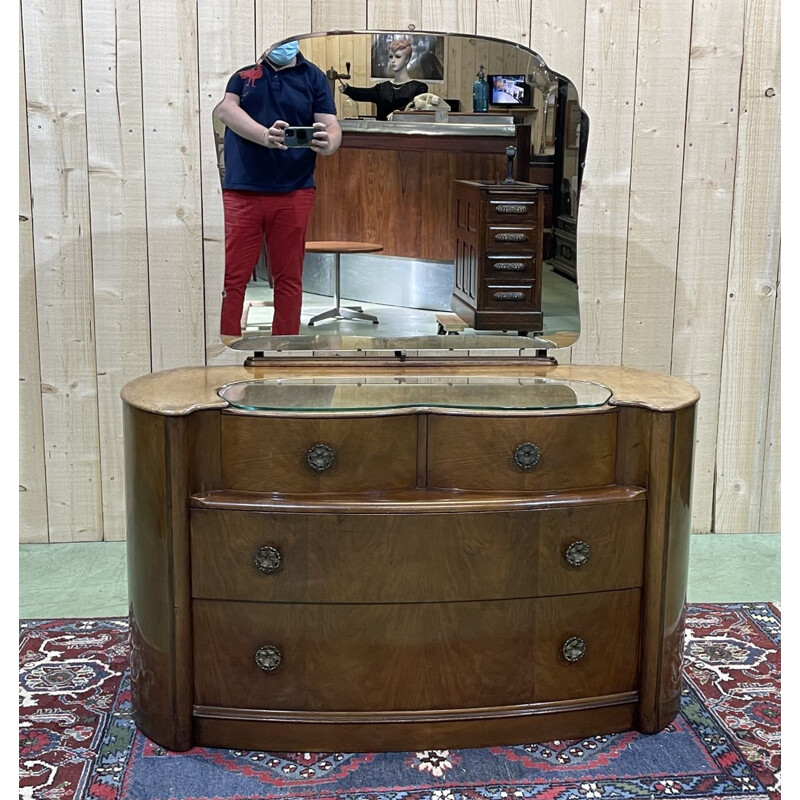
[443, 715]
[400, 731]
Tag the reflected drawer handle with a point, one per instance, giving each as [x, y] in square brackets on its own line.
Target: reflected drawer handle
[511, 237]
[268, 658]
[527, 455]
[574, 649]
[267, 559]
[509, 295]
[320, 457]
[508, 209]
[577, 554]
[510, 266]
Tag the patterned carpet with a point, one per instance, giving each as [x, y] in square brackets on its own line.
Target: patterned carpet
[77, 740]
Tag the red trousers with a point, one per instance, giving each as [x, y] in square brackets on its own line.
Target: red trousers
[281, 220]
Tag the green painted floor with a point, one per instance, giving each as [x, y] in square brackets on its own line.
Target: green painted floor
[88, 579]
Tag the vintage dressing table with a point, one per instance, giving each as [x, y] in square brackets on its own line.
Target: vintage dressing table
[356, 544]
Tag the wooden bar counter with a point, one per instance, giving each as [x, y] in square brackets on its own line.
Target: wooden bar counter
[393, 182]
[328, 573]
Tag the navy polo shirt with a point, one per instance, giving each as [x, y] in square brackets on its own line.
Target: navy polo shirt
[293, 94]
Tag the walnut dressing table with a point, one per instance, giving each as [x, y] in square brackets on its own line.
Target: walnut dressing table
[395, 558]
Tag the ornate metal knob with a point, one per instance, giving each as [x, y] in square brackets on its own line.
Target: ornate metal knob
[267, 559]
[320, 457]
[510, 237]
[574, 649]
[509, 295]
[577, 554]
[512, 209]
[268, 658]
[527, 455]
[510, 266]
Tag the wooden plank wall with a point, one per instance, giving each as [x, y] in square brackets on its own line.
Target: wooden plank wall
[121, 254]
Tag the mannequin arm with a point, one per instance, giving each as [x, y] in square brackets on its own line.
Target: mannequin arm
[361, 95]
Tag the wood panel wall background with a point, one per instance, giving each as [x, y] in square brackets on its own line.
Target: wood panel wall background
[121, 255]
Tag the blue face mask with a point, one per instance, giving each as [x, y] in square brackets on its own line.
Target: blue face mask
[281, 56]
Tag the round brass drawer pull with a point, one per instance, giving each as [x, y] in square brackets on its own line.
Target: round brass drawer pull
[527, 455]
[267, 559]
[320, 457]
[577, 554]
[574, 649]
[268, 657]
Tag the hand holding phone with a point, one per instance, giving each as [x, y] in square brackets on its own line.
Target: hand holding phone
[298, 137]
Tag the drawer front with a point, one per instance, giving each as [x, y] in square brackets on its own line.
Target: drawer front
[507, 297]
[568, 452]
[510, 267]
[321, 558]
[567, 224]
[592, 548]
[512, 238]
[269, 454]
[414, 656]
[512, 209]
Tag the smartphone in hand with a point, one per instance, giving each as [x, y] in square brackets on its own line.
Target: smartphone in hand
[298, 137]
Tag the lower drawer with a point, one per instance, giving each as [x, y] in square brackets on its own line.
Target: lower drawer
[417, 655]
[508, 296]
[320, 558]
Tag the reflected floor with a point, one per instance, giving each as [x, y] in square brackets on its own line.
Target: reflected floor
[559, 306]
[89, 579]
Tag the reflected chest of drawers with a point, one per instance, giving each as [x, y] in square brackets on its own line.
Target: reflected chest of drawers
[327, 574]
[564, 260]
[498, 232]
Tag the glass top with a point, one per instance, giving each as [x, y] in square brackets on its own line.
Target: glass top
[337, 394]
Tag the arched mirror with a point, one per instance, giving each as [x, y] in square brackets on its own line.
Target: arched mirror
[470, 188]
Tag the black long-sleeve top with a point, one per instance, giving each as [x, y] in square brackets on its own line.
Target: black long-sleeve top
[387, 96]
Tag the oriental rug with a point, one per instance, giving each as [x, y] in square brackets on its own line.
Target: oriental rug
[78, 742]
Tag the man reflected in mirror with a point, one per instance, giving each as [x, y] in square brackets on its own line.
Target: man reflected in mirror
[268, 188]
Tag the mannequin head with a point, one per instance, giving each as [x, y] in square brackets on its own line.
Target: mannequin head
[399, 56]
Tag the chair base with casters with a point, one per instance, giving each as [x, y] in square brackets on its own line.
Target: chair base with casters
[338, 311]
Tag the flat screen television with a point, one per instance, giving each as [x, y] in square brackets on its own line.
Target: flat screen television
[509, 90]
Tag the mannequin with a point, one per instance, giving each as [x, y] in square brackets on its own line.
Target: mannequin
[395, 94]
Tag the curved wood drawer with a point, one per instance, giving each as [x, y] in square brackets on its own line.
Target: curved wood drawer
[415, 656]
[266, 454]
[576, 451]
[417, 558]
